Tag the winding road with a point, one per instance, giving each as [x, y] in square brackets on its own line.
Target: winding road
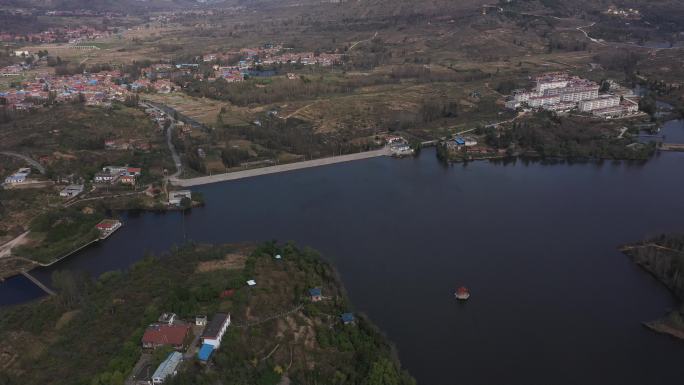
[27, 159]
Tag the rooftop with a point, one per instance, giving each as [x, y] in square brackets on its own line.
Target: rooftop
[214, 327]
[169, 366]
[315, 292]
[205, 352]
[165, 334]
[347, 317]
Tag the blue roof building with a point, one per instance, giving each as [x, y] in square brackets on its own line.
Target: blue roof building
[347, 318]
[315, 292]
[205, 352]
[460, 141]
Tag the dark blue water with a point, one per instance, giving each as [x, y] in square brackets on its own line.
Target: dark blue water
[553, 301]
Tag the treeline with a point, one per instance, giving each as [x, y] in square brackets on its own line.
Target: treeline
[550, 136]
[273, 90]
[256, 92]
[662, 256]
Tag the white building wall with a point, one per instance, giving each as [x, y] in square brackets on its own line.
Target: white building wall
[594, 104]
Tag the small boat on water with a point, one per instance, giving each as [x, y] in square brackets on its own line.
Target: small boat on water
[462, 293]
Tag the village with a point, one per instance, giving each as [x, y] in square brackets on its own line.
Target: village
[197, 340]
[58, 35]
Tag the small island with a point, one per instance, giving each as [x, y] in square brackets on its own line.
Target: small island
[283, 314]
[663, 257]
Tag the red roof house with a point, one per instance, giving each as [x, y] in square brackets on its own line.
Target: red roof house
[165, 335]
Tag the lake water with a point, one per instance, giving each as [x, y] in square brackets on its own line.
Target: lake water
[553, 300]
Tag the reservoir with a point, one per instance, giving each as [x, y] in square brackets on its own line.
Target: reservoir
[552, 299]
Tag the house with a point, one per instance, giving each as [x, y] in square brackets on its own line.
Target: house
[105, 177]
[157, 335]
[395, 140]
[107, 227]
[19, 176]
[315, 294]
[201, 320]
[205, 352]
[168, 368]
[167, 318]
[175, 197]
[251, 283]
[134, 171]
[71, 191]
[115, 170]
[469, 142]
[127, 179]
[215, 330]
[347, 318]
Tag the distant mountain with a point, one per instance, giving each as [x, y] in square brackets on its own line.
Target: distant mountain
[103, 5]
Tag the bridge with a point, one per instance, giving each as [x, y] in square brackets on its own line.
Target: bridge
[38, 283]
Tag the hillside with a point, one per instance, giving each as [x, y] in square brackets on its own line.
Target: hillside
[277, 332]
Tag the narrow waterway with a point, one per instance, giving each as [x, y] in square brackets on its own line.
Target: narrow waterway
[553, 301]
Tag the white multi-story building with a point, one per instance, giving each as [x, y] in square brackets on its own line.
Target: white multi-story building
[605, 101]
[540, 101]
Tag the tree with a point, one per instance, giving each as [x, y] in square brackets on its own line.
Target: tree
[185, 203]
[383, 372]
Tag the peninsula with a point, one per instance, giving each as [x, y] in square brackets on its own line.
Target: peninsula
[285, 317]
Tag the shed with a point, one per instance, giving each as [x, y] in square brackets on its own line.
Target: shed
[205, 352]
[347, 318]
[251, 282]
[168, 368]
[200, 320]
[316, 294]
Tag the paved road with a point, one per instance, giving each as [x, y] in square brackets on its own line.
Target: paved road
[6, 248]
[28, 160]
[279, 168]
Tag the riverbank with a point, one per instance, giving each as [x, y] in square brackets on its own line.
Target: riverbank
[293, 336]
[59, 233]
[279, 168]
[663, 257]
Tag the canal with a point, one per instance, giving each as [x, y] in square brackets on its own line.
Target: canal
[553, 301]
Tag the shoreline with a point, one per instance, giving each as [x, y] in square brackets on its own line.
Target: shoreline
[666, 324]
[203, 180]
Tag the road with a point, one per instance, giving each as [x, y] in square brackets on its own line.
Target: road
[75, 201]
[28, 160]
[169, 135]
[279, 168]
[6, 248]
[174, 154]
[361, 41]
